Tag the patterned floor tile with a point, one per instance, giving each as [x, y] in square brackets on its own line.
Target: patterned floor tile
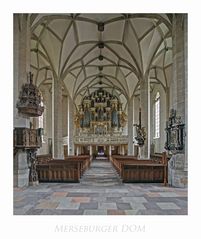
[47, 205]
[151, 205]
[181, 194]
[151, 212]
[98, 199]
[81, 199]
[137, 206]
[42, 190]
[60, 194]
[135, 194]
[95, 212]
[22, 211]
[153, 194]
[134, 199]
[115, 212]
[68, 205]
[107, 205]
[168, 194]
[124, 206]
[104, 199]
[92, 205]
[131, 212]
[19, 198]
[63, 212]
[59, 199]
[114, 199]
[167, 205]
[19, 189]
[34, 211]
[181, 203]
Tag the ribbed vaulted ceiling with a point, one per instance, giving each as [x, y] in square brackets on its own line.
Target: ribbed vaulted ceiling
[112, 51]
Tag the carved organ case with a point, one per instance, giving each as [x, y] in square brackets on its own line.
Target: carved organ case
[100, 113]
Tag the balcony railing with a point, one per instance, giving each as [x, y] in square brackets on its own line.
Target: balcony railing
[118, 139]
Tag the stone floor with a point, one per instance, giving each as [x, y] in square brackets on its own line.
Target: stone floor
[100, 192]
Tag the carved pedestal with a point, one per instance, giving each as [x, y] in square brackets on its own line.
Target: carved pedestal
[33, 175]
[177, 176]
[28, 140]
[175, 138]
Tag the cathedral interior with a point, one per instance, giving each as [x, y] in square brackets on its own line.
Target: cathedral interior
[100, 114]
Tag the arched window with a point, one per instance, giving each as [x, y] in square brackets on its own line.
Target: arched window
[157, 116]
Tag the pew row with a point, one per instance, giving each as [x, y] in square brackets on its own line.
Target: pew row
[70, 169]
[133, 170]
[83, 160]
[43, 158]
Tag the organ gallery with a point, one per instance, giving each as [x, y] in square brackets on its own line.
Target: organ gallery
[100, 114]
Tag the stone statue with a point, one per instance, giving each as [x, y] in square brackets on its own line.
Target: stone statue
[141, 134]
[123, 119]
[77, 122]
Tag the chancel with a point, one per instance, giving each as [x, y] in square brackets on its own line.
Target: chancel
[100, 114]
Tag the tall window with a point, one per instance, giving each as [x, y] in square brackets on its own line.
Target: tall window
[157, 115]
[40, 119]
[41, 122]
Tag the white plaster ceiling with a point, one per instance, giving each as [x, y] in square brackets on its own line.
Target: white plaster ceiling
[66, 46]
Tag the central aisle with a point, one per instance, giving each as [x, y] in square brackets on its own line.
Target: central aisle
[100, 173]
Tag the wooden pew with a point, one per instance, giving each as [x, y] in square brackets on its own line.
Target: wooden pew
[143, 173]
[44, 158]
[69, 170]
[83, 160]
[131, 169]
[59, 171]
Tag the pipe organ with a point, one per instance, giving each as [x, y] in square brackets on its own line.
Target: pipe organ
[100, 114]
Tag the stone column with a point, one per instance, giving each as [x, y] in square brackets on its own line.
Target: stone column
[130, 126]
[70, 126]
[110, 151]
[167, 102]
[21, 62]
[21, 68]
[90, 151]
[49, 120]
[178, 95]
[57, 137]
[136, 121]
[65, 116]
[145, 116]
[77, 150]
